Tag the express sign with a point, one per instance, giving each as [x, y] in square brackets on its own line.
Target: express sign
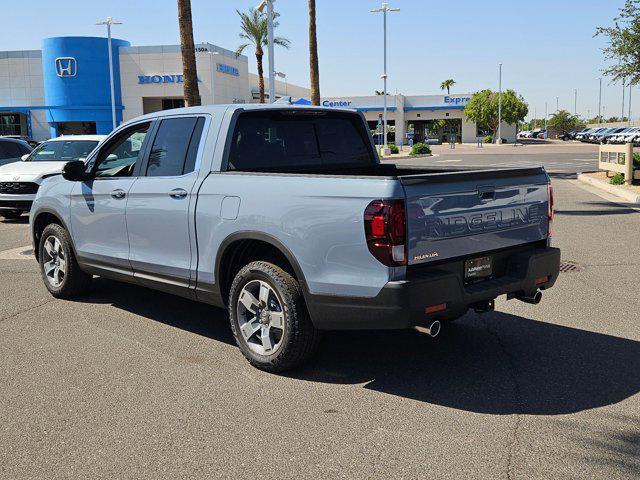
[456, 100]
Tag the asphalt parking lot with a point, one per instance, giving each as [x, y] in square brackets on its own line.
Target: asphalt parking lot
[131, 383]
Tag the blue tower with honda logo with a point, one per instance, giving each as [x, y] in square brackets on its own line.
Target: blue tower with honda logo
[76, 84]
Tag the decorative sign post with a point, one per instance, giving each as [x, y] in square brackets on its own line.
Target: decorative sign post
[617, 158]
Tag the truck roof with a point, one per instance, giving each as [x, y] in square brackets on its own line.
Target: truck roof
[222, 108]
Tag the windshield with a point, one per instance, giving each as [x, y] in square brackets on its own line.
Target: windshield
[62, 150]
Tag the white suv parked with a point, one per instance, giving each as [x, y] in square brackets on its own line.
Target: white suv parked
[19, 181]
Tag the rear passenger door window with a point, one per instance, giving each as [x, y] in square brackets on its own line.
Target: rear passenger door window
[175, 147]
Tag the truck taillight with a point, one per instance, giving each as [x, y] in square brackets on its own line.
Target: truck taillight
[385, 230]
[550, 202]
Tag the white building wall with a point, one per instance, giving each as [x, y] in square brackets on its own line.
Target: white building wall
[21, 78]
[21, 85]
[283, 89]
[215, 86]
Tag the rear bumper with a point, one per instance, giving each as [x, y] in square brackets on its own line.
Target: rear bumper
[401, 304]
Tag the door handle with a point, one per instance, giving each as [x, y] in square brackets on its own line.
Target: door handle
[178, 193]
[118, 193]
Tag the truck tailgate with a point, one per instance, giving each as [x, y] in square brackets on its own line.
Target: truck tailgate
[464, 213]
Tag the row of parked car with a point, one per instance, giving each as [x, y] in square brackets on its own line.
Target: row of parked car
[536, 133]
[605, 135]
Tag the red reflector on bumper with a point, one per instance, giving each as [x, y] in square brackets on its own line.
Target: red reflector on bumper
[541, 280]
[435, 308]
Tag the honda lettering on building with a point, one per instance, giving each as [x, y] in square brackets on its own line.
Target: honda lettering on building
[142, 79]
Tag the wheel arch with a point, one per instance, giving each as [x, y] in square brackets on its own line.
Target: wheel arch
[231, 249]
[39, 222]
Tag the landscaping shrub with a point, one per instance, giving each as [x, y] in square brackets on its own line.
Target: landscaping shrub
[636, 161]
[394, 148]
[487, 139]
[420, 149]
[617, 179]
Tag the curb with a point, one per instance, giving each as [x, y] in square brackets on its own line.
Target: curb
[408, 157]
[616, 190]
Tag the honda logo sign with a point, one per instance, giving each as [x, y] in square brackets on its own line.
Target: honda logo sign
[66, 67]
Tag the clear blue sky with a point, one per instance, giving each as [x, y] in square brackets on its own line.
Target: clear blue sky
[546, 47]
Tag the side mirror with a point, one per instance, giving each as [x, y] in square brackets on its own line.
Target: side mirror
[75, 171]
[24, 157]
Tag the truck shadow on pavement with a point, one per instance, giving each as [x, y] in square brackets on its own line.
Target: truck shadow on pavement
[165, 308]
[498, 364]
[495, 363]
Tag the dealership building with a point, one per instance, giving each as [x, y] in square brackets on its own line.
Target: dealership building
[418, 117]
[65, 89]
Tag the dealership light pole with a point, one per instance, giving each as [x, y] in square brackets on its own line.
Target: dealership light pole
[629, 103]
[624, 87]
[283, 75]
[600, 103]
[213, 75]
[384, 9]
[499, 139]
[108, 22]
[260, 7]
[575, 102]
[545, 120]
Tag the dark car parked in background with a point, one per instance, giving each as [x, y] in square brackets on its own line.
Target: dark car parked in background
[12, 149]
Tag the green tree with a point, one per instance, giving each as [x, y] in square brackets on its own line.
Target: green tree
[483, 109]
[254, 31]
[447, 84]
[562, 121]
[623, 48]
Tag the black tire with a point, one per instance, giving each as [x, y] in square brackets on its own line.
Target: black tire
[75, 281]
[300, 339]
[10, 214]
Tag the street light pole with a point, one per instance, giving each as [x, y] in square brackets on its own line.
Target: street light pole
[384, 9]
[545, 120]
[499, 139]
[575, 102]
[629, 103]
[260, 7]
[624, 87]
[600, 103]
[283, 75]
[213, 76]
[108, 22]
[557, 105]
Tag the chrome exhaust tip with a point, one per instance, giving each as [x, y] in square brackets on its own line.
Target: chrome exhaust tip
[534, 299]
[433, 329]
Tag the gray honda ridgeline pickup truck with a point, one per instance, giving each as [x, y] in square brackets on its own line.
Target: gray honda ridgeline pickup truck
[285, 216]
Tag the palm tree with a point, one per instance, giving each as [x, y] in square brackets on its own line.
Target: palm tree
[254, 30]
[314, 69]
[447, 84]
[189, 73]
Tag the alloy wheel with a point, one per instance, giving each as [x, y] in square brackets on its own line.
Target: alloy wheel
[54, 261]
[260, 317]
